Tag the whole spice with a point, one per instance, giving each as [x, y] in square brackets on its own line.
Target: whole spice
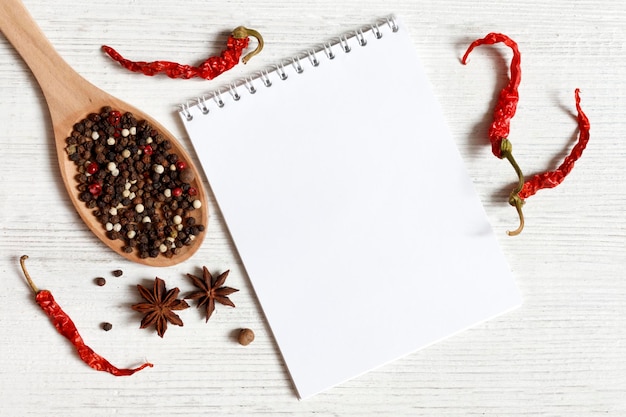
[551, 179]
[118, 273]
[100, 281]
[209, 69]
[128, 175]
[246, 336]
[210, 290]
[159, 306]
[499, 131]
[107, 326]
[67, 328]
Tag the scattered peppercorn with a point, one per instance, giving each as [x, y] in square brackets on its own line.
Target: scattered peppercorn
[246, 336]
[100, 281]
[118, 273]
[107, 326]
[135, 184]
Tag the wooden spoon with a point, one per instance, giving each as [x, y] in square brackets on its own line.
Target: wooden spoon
[70, 99]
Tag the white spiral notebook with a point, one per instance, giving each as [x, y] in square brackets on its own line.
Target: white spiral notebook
[350, 207]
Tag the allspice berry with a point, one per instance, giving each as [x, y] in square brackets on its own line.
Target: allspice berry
[186, 175]
[246, 336]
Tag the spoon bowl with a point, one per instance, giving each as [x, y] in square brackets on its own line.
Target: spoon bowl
[71, 99]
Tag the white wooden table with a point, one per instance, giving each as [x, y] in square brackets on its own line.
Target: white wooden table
[561, 353]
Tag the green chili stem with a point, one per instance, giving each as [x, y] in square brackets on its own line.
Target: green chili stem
[514, 199]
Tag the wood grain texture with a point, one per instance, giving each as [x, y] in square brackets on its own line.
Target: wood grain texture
[561, 353]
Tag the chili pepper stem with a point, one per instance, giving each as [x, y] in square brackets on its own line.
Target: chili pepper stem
[244, 32]
[29, 280]
[515, 200]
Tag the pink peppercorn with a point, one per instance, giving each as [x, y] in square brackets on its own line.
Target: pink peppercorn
[95, 189]
[114, 117]
[92, 168]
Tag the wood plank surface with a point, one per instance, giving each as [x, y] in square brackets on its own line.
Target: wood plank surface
[561, 354]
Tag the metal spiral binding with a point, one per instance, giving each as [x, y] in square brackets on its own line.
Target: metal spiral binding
[328, 50]
[295, 61]
[184, 109]
[312, 58]
[248, 83]
[202, 105]
[234, 92]
[265, 77]
[343, 42]
[360, 37]
[217, 97]
[280, 70]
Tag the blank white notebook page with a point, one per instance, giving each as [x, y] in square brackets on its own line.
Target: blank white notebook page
[350, 207]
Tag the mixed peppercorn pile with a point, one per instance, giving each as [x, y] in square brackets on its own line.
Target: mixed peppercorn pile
[139, 189]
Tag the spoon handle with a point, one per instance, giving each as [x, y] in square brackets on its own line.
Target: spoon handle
[61, 85]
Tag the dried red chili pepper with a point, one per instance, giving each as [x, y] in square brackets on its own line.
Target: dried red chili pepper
[551, 179]
[499, 131]
[66, 327]
[209, 69]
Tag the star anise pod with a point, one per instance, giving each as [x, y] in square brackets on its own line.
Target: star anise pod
[210, 290]
[160, 306]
